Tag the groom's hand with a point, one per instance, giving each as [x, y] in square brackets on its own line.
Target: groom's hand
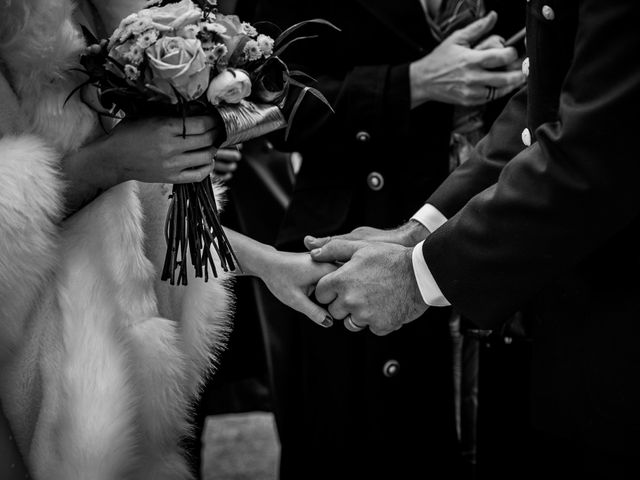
[408, 235]
[376, 286]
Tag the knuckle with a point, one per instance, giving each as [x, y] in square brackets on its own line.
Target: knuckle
[466, 92]
[165, 150]
[168, 164]
[167, 125]
[199, 124]
[350, 302]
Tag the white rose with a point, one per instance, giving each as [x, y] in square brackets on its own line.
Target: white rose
[173, 15]
[179, 62]
[229, 86]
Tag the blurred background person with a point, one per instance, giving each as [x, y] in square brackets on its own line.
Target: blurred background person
[402, 77]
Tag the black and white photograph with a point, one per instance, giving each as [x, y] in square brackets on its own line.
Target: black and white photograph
[319, 240]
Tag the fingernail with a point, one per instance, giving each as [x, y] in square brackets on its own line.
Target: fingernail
[310, 238]
[316, 251]
[327, 322]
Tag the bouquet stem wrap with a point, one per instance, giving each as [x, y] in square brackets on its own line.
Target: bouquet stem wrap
[193, 226]
[248, 120]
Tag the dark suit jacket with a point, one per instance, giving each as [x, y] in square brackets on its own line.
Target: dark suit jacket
[554, 228]
[331, 393]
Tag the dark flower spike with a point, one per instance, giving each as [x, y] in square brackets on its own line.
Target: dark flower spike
[298, 73]
[90, 37]
[281, 49]
[305, 89]
[263, 26]
[77, 89]
[293, 28]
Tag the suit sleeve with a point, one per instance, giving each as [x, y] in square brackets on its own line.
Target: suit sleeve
[543, 215]
[502, 143]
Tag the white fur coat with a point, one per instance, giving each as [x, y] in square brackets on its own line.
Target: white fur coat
[99, 359]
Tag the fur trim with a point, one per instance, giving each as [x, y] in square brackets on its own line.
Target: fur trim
[30, 207]
[113, 357]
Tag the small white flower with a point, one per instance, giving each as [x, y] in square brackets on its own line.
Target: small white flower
[148, 38]
[140, 25]
[128, 20]
[220, 50]
[265, 43]
[135, 55]
[131, 72]
[252, 50]
[190, 31]
[249, 29]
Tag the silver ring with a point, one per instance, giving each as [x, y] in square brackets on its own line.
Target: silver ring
[491, 93]
[351, 325]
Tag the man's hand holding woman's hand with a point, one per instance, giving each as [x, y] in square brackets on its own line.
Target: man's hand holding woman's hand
[374, 287]
[375, 284]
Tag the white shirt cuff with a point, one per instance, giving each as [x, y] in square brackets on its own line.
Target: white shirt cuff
[430, 217]
[431, 293]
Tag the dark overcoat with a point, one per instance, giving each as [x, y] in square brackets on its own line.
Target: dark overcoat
[546, 218]
[353, 405]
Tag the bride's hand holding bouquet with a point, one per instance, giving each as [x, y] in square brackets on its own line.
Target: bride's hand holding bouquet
[180, 59]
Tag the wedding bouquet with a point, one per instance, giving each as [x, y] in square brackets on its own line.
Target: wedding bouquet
[184, 58]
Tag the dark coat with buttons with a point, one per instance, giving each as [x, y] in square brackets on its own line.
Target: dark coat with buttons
[553, 228]
[356, 405]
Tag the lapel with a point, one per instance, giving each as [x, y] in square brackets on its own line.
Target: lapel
[404, 18]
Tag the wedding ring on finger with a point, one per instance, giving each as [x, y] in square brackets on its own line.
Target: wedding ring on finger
[351, 325]
[491, 93]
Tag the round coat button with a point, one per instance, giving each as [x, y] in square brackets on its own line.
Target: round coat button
[375, 181]
[525, 67]
[391, 368]
[526, 137]
[363, 136]
[548, 13]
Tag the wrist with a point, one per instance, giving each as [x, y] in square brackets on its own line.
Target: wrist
[259, 260]
[418, 87]
[412, 233]
[106, 172]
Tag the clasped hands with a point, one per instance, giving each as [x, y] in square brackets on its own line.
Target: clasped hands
[374, 285]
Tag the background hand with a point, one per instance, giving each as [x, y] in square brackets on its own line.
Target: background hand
[376, 286]
[408, 235]
[457, 73]
[226, 162]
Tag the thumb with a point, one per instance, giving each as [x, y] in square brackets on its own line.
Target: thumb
[475, 31]
[312, 310]
[312, 242]
[336, 251]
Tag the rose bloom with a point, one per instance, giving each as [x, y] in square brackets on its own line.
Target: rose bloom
[173, 16]
[229, 86]
[179, 62]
